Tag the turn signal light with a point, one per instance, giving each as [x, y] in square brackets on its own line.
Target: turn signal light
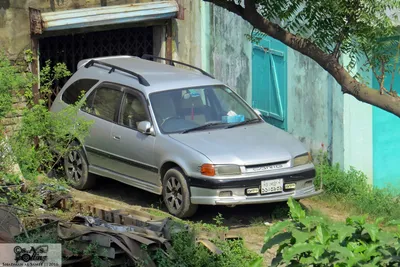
[207, 169]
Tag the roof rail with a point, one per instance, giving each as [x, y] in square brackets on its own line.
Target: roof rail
[140, 78]
[171, 62]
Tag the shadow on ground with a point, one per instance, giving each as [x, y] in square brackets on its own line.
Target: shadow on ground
[239, 216]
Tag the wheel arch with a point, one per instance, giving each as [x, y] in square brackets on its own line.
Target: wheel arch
[169, 165]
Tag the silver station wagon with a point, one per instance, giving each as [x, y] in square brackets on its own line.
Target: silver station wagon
[179, 133]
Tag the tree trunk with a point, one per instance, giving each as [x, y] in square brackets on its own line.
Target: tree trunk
[348, 84]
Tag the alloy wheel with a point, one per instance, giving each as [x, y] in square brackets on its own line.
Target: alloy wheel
[74, 166]
[173, 194]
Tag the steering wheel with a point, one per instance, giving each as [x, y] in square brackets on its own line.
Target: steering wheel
[168, 118]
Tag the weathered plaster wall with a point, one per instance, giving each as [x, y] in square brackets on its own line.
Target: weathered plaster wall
[229, 50]
[187, 34]
[315, 106]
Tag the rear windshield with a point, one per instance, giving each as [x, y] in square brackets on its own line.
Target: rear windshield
[77, 89]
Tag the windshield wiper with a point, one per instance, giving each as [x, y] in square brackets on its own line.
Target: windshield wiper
[242, 123]
[204, 126]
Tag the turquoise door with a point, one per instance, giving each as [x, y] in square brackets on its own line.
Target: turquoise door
[386, 136]
[269, 94]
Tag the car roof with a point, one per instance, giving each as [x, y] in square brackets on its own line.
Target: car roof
[160, 76]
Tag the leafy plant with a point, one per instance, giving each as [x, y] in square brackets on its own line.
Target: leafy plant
[44, 137]
[48, 76]
[310, 241]
[351, 189]
[185, 252]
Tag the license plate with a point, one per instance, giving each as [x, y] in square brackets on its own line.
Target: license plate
[271, 186]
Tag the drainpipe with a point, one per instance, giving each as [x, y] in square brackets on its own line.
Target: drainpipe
[330, 118]
[205, 36]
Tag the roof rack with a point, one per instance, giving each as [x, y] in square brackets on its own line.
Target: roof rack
[172, 63]
[140, 78]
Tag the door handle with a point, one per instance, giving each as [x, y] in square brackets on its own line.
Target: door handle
[116, 137]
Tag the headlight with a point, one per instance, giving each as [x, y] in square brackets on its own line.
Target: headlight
[220, 170]
[302, 159]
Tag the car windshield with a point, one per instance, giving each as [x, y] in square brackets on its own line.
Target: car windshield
[183, 110]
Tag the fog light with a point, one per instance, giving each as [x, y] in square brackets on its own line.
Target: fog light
[225, 193]
[308, 183]
[252, 191]
[290, 186]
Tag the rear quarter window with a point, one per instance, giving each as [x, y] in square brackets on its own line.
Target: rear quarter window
[75, 90]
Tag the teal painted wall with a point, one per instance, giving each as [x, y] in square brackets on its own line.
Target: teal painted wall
[357, 127]
[386, 145]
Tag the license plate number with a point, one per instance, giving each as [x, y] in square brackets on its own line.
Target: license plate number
[271, 186]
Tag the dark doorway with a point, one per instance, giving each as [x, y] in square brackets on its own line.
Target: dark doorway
[72, 48]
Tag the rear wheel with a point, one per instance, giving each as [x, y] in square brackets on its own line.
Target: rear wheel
[176, 194]
[77, 168]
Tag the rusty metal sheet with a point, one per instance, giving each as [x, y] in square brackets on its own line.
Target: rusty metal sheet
[100, 16]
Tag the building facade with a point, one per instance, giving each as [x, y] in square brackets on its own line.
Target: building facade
[291, 90]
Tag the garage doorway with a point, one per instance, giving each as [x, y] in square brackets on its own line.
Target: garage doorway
[72, 48]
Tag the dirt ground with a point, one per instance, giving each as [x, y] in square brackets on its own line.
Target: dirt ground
[250, 221]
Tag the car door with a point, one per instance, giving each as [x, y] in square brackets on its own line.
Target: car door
[135, 149]
[102, 107]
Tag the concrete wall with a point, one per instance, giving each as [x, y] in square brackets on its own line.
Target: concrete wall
[187, 34]
[315, 106]
[230, 52]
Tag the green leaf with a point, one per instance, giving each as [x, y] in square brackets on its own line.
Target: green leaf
[386, 238]
[317, 251]
[256, 263]
[322, 234]
[276, 228]
[278, 239]
[296, 250]
[301, 236]
[296, 211]
[343, 231]
[344, 253]
[371, 251]
[372, 230]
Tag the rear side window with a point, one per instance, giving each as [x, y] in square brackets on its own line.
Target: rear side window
[75, 90]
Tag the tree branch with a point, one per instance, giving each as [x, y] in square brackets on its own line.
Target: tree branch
[327, 61]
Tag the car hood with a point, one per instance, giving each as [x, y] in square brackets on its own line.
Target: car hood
[244, 145]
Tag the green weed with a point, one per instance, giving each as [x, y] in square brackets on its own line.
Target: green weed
[351, 189]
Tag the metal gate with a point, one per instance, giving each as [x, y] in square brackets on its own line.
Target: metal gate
[70, 49]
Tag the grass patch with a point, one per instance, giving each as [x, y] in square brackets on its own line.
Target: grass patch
[185, 252]
[351, 189]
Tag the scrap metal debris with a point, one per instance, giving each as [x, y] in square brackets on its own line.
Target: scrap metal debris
[10, 225]
[120, 237]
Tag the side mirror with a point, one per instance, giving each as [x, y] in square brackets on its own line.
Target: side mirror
[145, 127]
[258, 112]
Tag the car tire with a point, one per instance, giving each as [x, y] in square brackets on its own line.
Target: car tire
[77, 168]
[176, 194]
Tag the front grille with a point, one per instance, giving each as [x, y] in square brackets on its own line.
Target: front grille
[266, 164]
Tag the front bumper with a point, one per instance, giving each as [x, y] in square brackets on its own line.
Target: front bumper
[212, 192]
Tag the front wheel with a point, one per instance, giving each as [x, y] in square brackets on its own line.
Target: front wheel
[77, 168]
[176, 194]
